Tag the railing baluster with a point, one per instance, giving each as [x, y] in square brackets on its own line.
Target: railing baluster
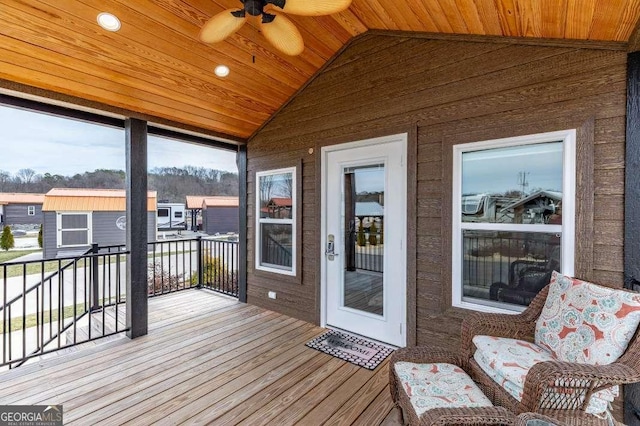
[4, 316]
[75, 306]
[24, 311]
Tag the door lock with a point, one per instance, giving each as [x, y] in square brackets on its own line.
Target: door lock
[331, 247]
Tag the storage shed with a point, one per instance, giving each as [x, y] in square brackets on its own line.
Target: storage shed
[220, 215]
[194, 210]
[76, 218]
[20, 209]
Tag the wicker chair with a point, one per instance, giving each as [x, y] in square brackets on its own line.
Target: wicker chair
[440, 416]
[580, 381]
[535, 419]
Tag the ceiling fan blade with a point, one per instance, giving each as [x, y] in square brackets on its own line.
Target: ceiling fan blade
[222, 25]
[313, 7]
[283, 34]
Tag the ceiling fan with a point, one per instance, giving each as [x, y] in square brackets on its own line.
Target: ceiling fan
[279, 30]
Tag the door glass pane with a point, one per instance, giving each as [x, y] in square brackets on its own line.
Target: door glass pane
[508, 267]
[364, 240]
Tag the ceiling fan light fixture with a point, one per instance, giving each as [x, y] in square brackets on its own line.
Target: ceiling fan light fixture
[109, 21]
[222, 71]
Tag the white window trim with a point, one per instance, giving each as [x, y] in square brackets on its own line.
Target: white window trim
[89, 228]
[291, 221]
[31, 210]
[567, 229]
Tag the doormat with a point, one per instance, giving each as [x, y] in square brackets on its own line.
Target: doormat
[354, 349]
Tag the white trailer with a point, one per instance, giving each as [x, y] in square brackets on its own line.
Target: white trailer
[171, 217]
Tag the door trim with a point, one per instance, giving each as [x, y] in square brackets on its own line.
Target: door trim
[325, 150]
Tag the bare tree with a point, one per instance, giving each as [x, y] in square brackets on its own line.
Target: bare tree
[26, 176]
[5, 181]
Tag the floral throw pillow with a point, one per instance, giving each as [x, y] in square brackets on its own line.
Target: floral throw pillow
[587, 323]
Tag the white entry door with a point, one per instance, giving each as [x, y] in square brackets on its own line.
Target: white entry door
[364, 238]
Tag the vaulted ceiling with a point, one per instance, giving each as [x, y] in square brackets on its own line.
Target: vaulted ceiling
[155, 65]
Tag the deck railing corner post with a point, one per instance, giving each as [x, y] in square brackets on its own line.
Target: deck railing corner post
[200, 262]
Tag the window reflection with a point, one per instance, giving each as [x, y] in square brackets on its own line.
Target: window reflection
[276, 194]
[521, 184]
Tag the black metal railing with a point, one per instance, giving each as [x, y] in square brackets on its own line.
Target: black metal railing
[365, 251]
[48, 305]
[45, 304]
[218, 269]
[200, 262]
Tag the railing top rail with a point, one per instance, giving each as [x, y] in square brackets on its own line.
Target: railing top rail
[86, 255]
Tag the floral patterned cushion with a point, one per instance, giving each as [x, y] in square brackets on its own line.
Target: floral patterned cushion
[438, 386]
[587, 323]
[507, 361]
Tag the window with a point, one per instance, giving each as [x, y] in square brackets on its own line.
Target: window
[177, 215]
[513, 219]
[275, 219]
[74, 229]
[163, 212]
[31, 210]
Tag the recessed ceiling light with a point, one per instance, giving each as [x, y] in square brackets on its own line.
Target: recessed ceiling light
[108, 21]
[222, 71]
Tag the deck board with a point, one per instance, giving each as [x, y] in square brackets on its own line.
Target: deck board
[206, 360]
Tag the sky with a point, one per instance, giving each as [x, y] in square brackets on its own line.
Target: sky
[66, 147]
[495, 171]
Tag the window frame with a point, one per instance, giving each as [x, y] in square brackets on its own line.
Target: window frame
[292, 220]
[31, 210]
[60, 231]
[566, 229]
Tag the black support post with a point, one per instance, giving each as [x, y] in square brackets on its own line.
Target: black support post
[241, 160]
[136, 153]
[632, 212]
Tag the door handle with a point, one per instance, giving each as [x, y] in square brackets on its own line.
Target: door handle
[331, 244]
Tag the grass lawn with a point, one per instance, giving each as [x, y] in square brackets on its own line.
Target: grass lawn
[34, 268]
[31, 320]
[8, 256]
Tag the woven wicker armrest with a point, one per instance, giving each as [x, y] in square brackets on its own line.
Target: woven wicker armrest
[573, 383]
[468, 416]
[424, 355]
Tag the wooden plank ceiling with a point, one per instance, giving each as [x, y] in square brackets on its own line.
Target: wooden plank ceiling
[156, 66]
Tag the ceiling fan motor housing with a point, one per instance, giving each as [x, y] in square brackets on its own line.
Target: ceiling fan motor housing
[256, 7]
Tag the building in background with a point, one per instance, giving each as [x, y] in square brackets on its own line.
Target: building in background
[21, 209]
[220, 215]
[76, 218]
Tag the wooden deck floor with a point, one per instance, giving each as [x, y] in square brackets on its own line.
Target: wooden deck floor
[206, 360]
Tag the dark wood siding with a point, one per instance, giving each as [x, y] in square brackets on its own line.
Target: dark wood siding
[220, 220]
[451, 92]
